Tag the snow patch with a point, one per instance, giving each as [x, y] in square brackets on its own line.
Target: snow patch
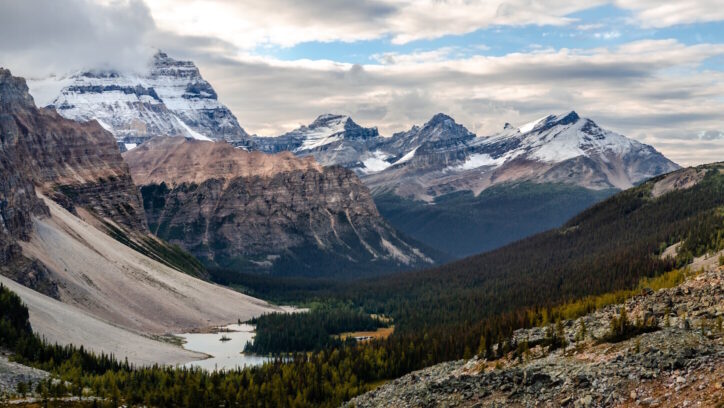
[332, 131]
[376, 163]
[479, 160]
[193, 133]
[531, 125]
[407, 156]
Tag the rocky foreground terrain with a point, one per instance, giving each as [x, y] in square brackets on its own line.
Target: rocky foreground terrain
[679, 364]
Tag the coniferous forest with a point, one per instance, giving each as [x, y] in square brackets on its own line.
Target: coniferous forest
[282, 332]
[445, 313]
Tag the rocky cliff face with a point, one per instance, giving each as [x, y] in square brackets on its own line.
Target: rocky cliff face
[77, 164]
[259, 212]
[18, 201]
[680, 363]
[171, 99]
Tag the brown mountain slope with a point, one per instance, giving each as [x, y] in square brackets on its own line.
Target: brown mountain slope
[77, 164]
[264, 213]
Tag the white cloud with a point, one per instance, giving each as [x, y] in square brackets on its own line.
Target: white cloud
[607, 35]
[665, 13]
[588, 27]
[252, 23]
[255, 23]
[417, 57]
[42, 36]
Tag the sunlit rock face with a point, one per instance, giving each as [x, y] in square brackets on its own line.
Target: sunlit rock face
[259, 212]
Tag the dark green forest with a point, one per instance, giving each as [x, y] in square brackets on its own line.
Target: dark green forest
[283, 332]
[441, 314]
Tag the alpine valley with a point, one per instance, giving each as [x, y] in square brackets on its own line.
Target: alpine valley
[138, 220]
[251, 212]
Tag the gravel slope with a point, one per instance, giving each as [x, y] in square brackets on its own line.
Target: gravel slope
[114, 283]
[66, 324]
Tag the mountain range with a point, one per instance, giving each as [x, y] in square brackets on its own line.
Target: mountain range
[438, 183]
[75, 244]
[460, 193]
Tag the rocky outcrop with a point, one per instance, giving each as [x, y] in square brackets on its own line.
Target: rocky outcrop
[259, 212]
[680, 363]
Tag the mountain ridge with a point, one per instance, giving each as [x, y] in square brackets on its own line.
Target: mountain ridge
[250, 211]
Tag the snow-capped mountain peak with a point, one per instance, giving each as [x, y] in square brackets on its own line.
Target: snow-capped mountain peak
[328, 119]
[171, 99]
[325, 131]
[572, 149]
[441, 128]
[440, 119]
[549, 121]
[555, 138]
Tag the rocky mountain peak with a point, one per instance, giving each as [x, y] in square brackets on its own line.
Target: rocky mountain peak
[171, 99]
[328, 118]
[162, 64]
[343, 123]
[440, 118]
[550, 121]
[13, 92]
[440, 128]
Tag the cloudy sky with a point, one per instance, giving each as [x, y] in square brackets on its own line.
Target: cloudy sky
[651, 69]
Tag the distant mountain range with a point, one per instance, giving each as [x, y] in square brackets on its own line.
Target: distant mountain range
[442, 156]
[437, 182]
[463, 194]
